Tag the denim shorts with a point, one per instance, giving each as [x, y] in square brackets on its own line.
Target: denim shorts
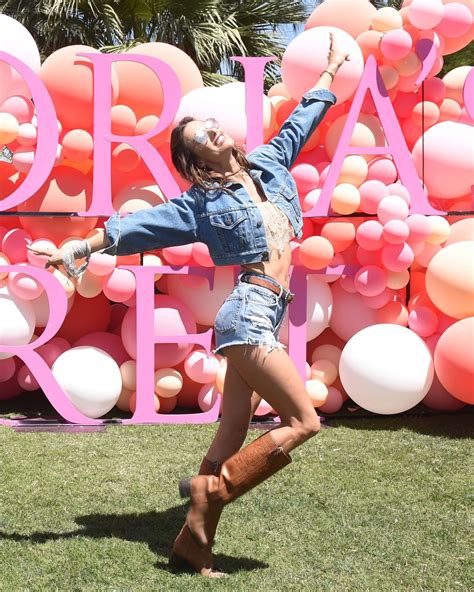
[250, 315]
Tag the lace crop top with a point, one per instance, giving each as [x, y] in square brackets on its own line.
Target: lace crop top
[278, 229]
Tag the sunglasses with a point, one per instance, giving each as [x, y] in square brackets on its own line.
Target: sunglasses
[201, 135]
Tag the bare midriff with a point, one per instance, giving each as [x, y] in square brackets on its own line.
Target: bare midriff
[277, 267]
[279, 261]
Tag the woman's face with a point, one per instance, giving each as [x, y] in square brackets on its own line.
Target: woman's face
[207, 141]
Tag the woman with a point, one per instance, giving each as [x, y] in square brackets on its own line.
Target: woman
[245, 208]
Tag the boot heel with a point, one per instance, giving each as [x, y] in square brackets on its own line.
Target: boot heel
[177, 563]
[185, 488]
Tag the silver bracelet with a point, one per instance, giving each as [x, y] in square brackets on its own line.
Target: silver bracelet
[76, 251]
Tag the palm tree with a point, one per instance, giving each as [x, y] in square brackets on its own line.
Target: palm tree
[209, 31]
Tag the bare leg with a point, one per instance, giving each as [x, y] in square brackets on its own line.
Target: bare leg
[276, 379]
[238, 407]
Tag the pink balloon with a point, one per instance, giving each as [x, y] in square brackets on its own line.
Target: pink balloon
[207, 396]
[454, 360]
[456, 20]
[395, 232]
[334, 401]
[120, 285]
[370, 280]
[51, 351]
[102, 264]
[201, 255]
[365, 257]
[439, 399]
[396, 44]
[108, 342]
[39, 260]
[171, 317]
[369, 235]
[397, 257]
[423, 321]
[425, 14]
[448, 159]
[7, 369]
[200, 367]
[400, 190]
[419, 227]
[392, 207]
[380, 300]
[20, 107]
[26, 380]
[14, 245]
[371, 194]
[382, 169]
[25, 286]
[349, 313]
[306, 57]
[352, 16]
[179, 255]
[435, 90]
[306, 177]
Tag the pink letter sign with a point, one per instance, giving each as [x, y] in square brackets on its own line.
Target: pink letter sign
[372, 81]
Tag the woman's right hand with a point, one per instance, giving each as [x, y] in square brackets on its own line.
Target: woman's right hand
[54, 256]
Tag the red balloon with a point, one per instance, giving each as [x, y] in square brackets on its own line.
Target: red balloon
[66, 190]
[87, 315]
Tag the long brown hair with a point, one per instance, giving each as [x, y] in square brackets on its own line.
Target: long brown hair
[186, 162]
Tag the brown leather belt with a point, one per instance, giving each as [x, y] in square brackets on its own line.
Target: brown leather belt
[260, 281]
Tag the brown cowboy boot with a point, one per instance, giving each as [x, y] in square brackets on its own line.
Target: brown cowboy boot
[209, 467]
[188, 555]
[240, 473]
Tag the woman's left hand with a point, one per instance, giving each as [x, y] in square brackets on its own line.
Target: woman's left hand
[336, 56]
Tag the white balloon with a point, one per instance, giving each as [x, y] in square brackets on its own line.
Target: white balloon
[17, 320]
[90, 378]
[318, 310]
[386, 368]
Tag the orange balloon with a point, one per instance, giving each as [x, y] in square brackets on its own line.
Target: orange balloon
[69, 80]
[77, 145]
[133, 402]
[66, 190]
[394, 312]
[147, 123]
[340, 234]
[140, 88]
[316, 252]
[450, 279]
[454, 360]
[123, 120]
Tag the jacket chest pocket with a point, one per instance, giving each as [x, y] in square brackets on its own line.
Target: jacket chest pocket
[290, 197]
[230, 230]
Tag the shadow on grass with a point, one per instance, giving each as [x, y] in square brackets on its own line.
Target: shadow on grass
[157, 529]
[457, 425]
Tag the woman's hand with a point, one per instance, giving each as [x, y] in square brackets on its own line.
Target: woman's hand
[336, 56]
[54, 256]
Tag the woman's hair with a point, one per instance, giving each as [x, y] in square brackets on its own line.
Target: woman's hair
[186, 162]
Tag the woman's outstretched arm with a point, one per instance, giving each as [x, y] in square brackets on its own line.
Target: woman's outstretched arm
[299, 126]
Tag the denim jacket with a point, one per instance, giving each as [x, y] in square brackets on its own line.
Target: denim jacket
[229, 222]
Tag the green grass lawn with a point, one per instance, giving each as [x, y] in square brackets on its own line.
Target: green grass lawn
[369, 504]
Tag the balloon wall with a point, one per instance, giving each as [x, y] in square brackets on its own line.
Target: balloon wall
[390, 294]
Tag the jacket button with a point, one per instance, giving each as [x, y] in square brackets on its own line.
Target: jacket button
[265, 256]
[228, 221]
[259, 223]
